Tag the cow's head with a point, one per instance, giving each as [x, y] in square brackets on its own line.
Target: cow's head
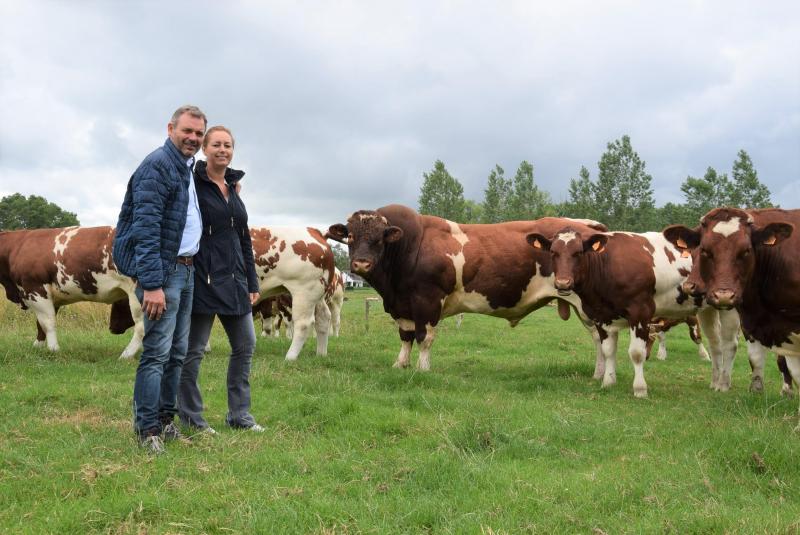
[724, 249]
[366, 234]
[567, 248]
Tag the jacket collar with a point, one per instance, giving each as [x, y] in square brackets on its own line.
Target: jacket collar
[176, 155]
[232, 176]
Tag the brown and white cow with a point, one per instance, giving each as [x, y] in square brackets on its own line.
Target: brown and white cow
[659, 328]
[277, 310]
[299, 261]
[624, 280]
[45, 269]
[427, 268]
[750, 260]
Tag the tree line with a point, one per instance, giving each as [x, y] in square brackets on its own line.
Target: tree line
[621, 195]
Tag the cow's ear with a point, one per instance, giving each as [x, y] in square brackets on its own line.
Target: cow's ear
[337, 232]
[392, 234]
[772, 234]
[595, 243]
[683, 238]
[538, 242]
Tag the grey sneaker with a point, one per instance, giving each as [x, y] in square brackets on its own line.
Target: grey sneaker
[255, 428]
[153, 444]
[171, 432]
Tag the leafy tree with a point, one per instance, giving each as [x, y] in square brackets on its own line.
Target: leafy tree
[18, 212]
[623, 194]
[526, 201]
[340, 257]
[673, 214]
[703, 194]
[581, 197]
[748, 191]
[496, 196]
[441, 194]
[473, 212]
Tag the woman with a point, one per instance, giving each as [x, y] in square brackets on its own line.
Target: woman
[226, 285]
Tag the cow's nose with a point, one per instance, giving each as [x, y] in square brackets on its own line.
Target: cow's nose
[689, 287]
[361, 266]
[723, 297]
[563, 284]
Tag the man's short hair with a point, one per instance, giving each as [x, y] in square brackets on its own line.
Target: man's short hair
[194, 111]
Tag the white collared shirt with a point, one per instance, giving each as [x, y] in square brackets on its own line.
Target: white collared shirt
[193, 231]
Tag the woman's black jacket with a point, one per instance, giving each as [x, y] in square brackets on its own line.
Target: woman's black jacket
[225, 272]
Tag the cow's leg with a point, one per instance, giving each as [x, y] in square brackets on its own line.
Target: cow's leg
[756, 354]
[786, 387]
[609, 348]
[637, 350]
[425, 341]
[709, 323]
[135, 345]
[599, 359]
[729, 336]
[46, 317]
[662, 345]
[40, 336]
[336, 317]
[697, 337]
[407, 340]
[793, 364]
[322, 325]
[302, 317]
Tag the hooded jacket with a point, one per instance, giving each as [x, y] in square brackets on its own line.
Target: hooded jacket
[225, 272]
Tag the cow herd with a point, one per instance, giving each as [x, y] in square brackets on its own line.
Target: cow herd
[736, 269]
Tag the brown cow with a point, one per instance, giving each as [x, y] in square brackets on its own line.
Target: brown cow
[750, 260]
[45, 269]
[427, 268]
[624, 280]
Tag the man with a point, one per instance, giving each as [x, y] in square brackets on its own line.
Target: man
[158, 232]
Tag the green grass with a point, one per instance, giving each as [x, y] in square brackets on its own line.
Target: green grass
[507, 434]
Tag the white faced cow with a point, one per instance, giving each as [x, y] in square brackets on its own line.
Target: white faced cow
[45, 269]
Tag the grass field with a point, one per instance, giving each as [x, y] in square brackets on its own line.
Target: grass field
[507, 434]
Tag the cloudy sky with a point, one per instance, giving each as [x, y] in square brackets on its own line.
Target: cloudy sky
[338, 106]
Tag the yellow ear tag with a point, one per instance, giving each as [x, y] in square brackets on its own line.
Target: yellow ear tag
[682, 244]
[685, 253]
[771, 240]
[536, 244]
[597, 246]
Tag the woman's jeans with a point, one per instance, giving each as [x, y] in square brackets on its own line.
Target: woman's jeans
[163, 351]
[242, 337]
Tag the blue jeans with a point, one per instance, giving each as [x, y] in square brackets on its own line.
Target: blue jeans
[164, 348]
[242, 337]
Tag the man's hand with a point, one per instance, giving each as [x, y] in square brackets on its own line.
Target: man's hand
[254, 297]
[154, 303]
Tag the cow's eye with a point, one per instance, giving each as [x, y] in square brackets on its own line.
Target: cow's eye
[705, 253]
[745, 253]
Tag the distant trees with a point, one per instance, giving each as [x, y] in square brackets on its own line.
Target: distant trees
[621, 196]
[441, 194]
[19, 212]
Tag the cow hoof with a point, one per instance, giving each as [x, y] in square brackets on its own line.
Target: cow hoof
[126, 355]
[400, 365]
[291, 358]
[38, 343]
[424, 368]
[756, 385]
[641, 393]
[787, 391]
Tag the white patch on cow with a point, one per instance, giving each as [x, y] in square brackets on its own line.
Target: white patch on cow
[726, 228]
[406, 325]
[404, 357]
[668, 277]
[792, 347]
[367, 217]
[662, 345]
[566, 237]
[637, 350]
[424, 362]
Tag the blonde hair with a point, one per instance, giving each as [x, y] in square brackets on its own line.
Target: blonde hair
[217, 128]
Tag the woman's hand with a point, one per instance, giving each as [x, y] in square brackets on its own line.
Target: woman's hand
[254, 297]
